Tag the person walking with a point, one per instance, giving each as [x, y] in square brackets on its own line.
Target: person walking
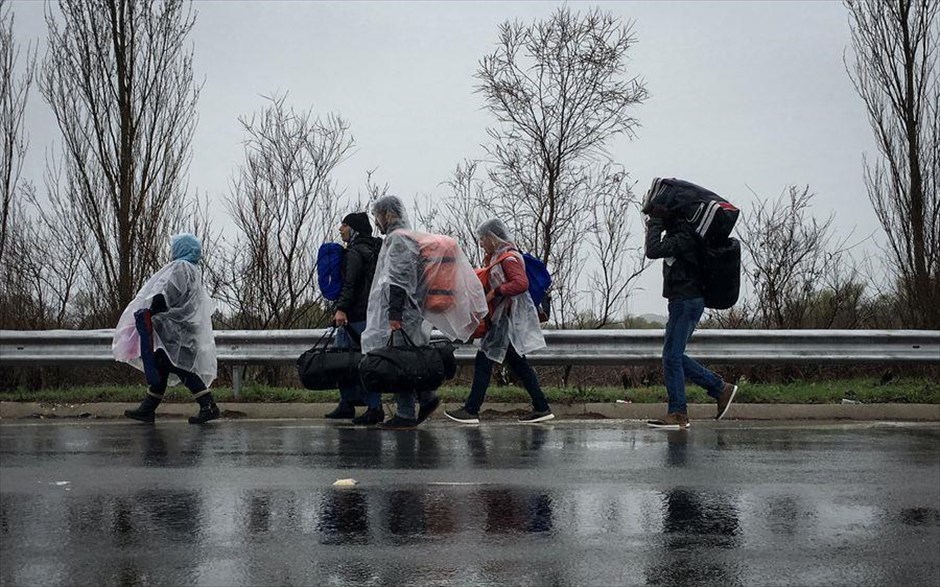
[682, 251]
[398, 301]
[358, 269]
[166, 332]
[513, 330]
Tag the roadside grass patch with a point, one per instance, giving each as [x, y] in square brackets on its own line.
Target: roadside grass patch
[865, 390]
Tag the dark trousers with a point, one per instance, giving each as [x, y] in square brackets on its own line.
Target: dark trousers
[157, 365]
[352, 395]
[483, 371]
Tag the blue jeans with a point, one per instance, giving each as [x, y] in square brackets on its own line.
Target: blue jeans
[677, 366]
[483, 370]
[350, 395]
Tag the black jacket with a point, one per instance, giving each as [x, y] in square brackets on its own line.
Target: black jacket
[358, 269]
[682, 280]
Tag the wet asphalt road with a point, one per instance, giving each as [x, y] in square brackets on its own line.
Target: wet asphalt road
[612, 503]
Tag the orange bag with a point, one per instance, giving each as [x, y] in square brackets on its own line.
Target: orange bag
[483, 274]
[439, 260]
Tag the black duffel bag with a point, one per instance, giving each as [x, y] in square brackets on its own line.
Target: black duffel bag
[327, 367]
[408, 368]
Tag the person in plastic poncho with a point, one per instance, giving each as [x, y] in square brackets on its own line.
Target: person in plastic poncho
[397, 302]
[166, 332]
[514, 329]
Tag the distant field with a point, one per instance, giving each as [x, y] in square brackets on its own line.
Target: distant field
[865, 390]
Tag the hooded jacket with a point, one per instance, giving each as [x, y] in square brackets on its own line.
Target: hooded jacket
[358, 268]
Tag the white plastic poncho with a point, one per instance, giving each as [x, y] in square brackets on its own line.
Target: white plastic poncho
[407, 259]
[514, 320]
[183, 331]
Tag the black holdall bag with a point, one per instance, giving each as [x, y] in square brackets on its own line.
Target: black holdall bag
[711, 216]
[409, 368]
[327, 367]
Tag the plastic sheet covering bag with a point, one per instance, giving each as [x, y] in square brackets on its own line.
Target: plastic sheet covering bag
[439, 281]
[183, 331]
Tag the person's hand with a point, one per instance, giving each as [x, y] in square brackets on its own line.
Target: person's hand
[339, 318]
[490, 295]
[394, 324]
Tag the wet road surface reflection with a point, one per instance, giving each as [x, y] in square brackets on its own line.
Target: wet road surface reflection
[251, 503]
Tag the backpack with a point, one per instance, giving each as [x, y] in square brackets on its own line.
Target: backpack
[330, 270]
[540, 280]
[711, 216]
[721, 274]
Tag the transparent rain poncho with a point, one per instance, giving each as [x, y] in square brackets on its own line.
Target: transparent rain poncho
[514, 320]
[442, 288]
[184, 330]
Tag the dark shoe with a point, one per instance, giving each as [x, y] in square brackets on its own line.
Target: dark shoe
[145, 411]
[725, 399]
[342, 412]
[462, 416]
[370, 417]
[672, 421]
[207, 410]
[536, 416]
[425, 411]
[399, 423]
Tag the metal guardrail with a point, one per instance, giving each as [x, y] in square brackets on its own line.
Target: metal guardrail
[565, 347]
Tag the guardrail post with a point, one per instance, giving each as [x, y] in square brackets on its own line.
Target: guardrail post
[238, 377]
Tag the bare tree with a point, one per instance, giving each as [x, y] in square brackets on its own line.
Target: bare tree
[118, 77]
[896, 74]
[284, 204]
[617, 264]
[13, 95]
[559, 92]
[461, 211]
[793, 262]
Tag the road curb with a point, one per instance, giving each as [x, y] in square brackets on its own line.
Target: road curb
[598, 411]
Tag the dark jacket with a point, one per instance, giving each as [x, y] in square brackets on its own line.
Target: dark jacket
[358, 269]
[682, 280]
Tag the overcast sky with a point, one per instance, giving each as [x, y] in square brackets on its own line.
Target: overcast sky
[742, 95]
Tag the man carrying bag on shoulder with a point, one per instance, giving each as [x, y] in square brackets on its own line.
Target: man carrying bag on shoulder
[358, 269]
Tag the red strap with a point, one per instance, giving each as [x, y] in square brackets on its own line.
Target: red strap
[501, 258]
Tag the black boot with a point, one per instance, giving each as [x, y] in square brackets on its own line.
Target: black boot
[343, 411]
[207, 410]
[145, 411]
[370, 417]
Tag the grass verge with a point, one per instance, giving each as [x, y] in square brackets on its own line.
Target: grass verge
[903, 390]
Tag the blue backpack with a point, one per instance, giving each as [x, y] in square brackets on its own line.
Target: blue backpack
[539, 278]
[330, 270]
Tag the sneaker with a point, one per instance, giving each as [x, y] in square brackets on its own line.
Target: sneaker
[425, 411]
[342, 412]
[206, 413]
[370, 417]
[462, 416]
[672, 421]
[399, 423]
[725, 399]
[537, 416]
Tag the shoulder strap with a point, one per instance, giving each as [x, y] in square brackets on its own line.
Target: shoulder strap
[501, 258]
